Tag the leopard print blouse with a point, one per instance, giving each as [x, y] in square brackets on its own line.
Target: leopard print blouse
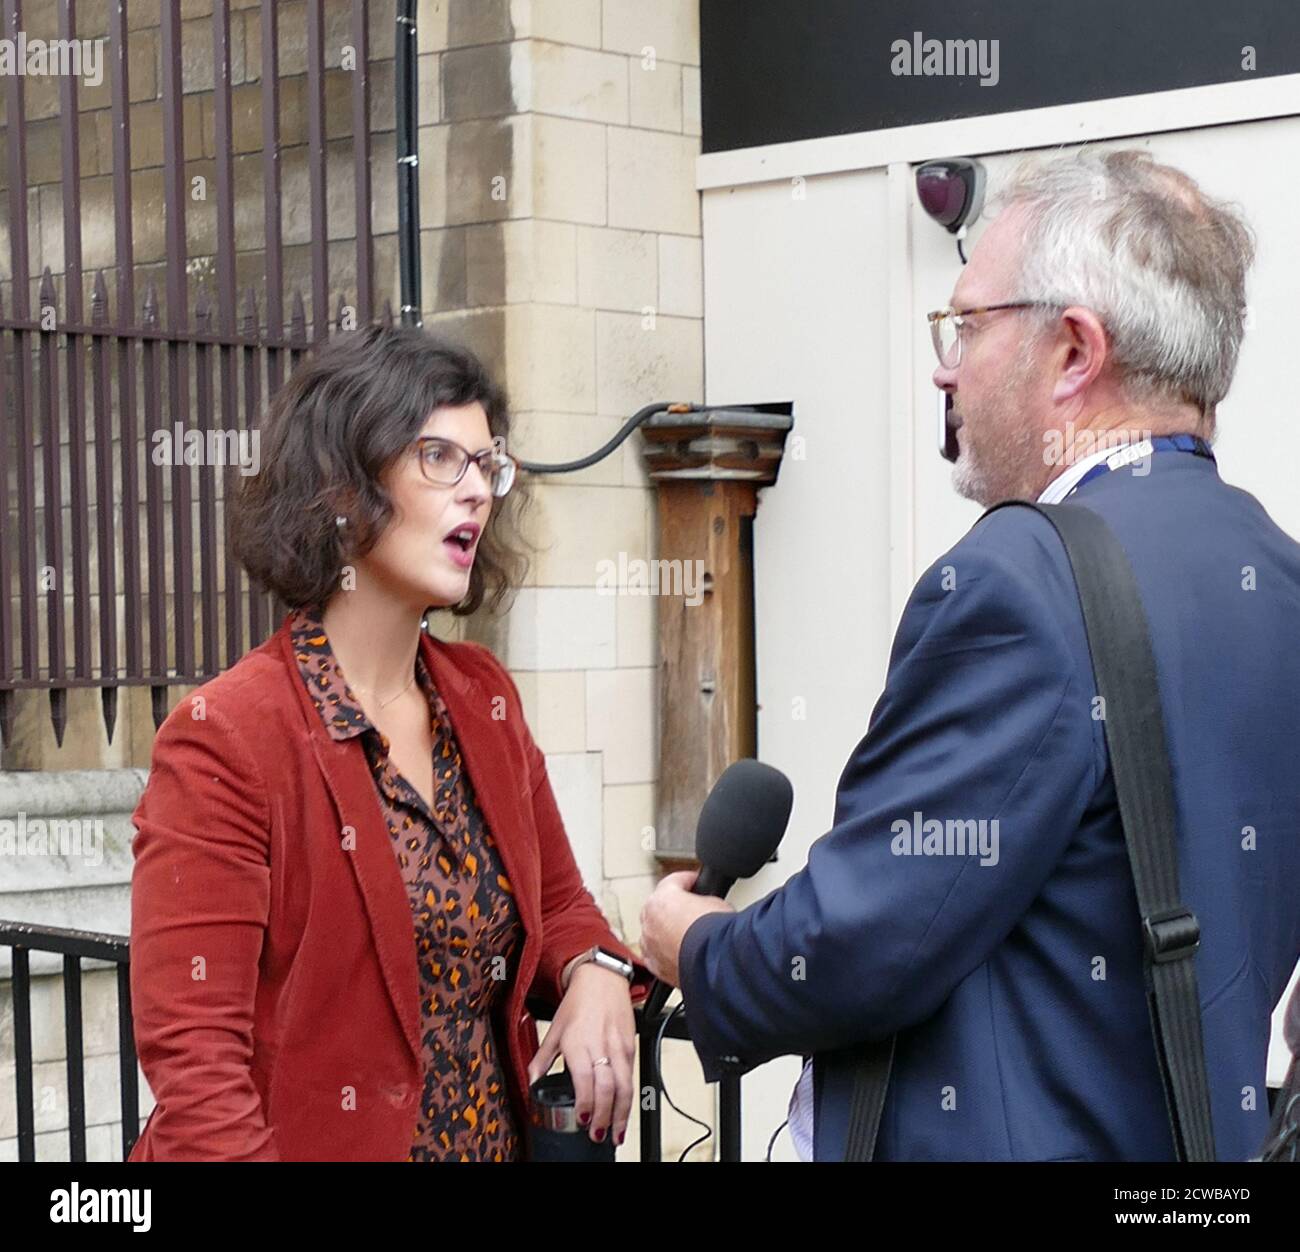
[467, 930]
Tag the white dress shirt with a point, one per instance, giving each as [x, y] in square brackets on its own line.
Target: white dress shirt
[1068, 478]
[801, 1099]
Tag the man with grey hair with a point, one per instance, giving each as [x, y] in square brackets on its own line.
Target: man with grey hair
[1129, 270]
[1089, 342]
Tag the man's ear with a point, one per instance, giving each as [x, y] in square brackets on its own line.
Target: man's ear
[1083, 352]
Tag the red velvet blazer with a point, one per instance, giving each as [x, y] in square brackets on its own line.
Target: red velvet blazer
[273, 967]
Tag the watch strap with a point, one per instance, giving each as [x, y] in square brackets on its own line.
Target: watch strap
[612, 962]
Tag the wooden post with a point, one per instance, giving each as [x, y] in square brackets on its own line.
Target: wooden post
[708, 465]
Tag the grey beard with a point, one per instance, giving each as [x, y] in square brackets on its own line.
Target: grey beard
[971, 480]
[967, 481]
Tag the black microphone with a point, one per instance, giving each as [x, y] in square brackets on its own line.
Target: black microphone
[740, 826]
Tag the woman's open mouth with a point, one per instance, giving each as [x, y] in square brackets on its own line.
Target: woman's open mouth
[461, 544]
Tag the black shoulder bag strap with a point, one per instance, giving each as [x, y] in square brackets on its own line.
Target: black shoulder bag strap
[1124, 668]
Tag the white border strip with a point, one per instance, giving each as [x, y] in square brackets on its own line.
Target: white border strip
[1185, 109]
[902, 419]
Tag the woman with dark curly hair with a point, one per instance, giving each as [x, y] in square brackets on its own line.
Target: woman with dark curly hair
[350, 870]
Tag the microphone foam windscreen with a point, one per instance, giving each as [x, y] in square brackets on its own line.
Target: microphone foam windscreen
[743, 818]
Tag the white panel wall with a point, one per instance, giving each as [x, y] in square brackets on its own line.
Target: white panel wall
[815, 292]
[795, 309]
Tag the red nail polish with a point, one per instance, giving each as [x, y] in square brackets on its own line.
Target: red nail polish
[622, 1136]
[583, 1118]
[600, 1134]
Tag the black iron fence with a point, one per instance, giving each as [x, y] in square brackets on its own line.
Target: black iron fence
[78, 945]
[75, 946]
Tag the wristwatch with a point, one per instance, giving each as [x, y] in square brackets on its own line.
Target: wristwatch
[603, 958]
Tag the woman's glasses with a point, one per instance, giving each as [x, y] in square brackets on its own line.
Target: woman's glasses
[445, 463]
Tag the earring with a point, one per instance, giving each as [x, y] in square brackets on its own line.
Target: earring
[340, 521]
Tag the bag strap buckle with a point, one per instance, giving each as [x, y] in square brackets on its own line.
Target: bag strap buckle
[1171, 935]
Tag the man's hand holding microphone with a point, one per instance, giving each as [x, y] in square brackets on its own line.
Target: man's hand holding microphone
[740, 826]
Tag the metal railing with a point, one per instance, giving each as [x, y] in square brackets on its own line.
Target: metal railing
[190, 610]
[78, 945]
[75, 946]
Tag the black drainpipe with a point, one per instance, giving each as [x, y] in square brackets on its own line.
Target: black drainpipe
[408, 162]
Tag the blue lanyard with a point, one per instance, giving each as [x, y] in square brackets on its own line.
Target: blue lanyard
[1160, 443]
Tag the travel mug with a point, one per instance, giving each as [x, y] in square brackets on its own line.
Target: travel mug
[554, 1133]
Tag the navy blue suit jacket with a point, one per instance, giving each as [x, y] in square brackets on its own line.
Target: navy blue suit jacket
[1015, 988]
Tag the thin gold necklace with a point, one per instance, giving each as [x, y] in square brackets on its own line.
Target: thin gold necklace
[385, 703]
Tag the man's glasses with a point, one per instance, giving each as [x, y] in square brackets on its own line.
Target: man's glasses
[946, 324]
[445, 463]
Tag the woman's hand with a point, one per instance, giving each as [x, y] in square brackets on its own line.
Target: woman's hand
[594, 1020]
